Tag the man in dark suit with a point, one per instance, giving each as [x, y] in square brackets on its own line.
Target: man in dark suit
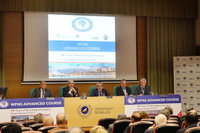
[143, 88]
[70, 90]
[191, 120]
[100, 91]
[123, 90]
[42, 92]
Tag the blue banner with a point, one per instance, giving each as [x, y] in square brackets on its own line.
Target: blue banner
[89, 46]
[31, 103]
[152, 99]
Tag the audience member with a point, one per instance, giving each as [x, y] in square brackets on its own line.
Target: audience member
[191, 120]
[134, 118]
[75, 129]
[187, 109]
[170, 110]
[166, 113]
[159, 119]
[61, 120]
[144, 115]
[120, 116]
[48, 121]
[38, 118]
[98, 129]
[12, 128]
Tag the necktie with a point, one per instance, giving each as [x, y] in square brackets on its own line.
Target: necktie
[43, 93]
[100, 93]
[143, 90]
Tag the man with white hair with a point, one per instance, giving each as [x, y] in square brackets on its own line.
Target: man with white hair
[159, 119]
[61, 120]
[100, 91]
[48, 121]
[143, 88]
[75, 129]
[70, 90]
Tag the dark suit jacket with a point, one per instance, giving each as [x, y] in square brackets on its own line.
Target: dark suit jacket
[95, 92]
[37, 91]
[66, 90]
[138, 90]
[120, 92]
[128, 129]
[184, 129]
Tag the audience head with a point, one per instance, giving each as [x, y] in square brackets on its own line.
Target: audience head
[144, 115]
[143, 82]
[160, 119]
[75, 130]
[188, 108]
[38, 118]
[166, 113]
[193, 111]
[170, 110]
[98, 129]
[135, 117]
[48, 121]
[121, 116]
[123, 83]
[70, 83]
[12, 128]
[61, 119]
[99, 86]
[191, 118]
[43, 85]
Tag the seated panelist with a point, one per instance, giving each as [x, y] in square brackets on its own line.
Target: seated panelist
[123, 90]
[143, 88]
[100, 91]
[70, 90]
[42, 92]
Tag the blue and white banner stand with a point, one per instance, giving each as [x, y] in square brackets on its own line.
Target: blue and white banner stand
[152, 104]
[21, 110]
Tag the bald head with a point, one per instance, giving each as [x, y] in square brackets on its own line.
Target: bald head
[61, 118]
[76, 130]
[136, 117]
[193, 111]
[160, 119]
[48, 121]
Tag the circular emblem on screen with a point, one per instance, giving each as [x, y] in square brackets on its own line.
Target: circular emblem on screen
[84, 110]
[131, 100]
[4, 104]
[82, 24]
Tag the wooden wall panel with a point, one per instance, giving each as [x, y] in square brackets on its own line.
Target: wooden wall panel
[198, 50]
[13, 57]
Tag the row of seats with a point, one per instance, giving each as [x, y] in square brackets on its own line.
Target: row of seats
[132, 87]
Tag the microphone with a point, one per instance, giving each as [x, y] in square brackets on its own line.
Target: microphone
[13, 93]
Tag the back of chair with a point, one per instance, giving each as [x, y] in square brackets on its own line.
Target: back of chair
[166, 128]
[150, 120]
[46, 128]
[140, 127]
[5, 124]
[175, 117]
[35, 127]
[31, 91]
[120, 125]
[91, 89]
[133, 88]
[152, 116]
[26, 129]
[106, 121]
[115, 91]
[173, 121]
[31, 132]
[28, 123]
[193, 130]
[60, 131]
[61, 91]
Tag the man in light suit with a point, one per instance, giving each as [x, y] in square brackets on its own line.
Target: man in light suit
[123, 90]
[70, 90]
[42, 92]
[100, 91]
[143, 88]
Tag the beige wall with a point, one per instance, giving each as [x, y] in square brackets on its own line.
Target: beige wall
[13, 57]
